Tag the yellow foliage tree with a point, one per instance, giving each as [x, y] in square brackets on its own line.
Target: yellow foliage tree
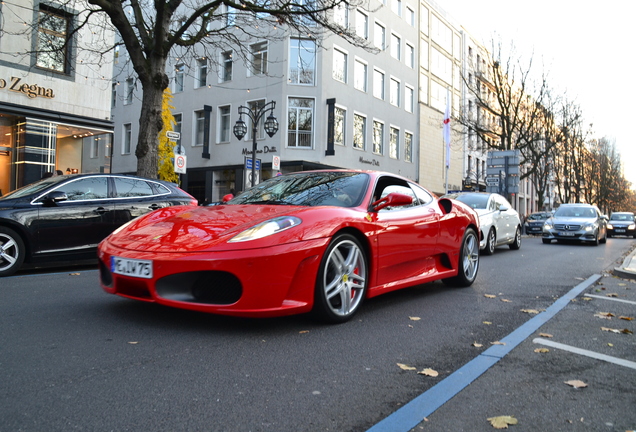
[166, 147]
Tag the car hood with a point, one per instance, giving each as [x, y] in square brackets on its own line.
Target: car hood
[198, 229]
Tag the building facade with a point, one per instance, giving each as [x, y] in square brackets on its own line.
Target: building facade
[54, 103]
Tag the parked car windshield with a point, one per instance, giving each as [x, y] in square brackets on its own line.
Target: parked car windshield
[538, 216]
[575, 212]
[308, 189]
[476, 201]
[31, 188]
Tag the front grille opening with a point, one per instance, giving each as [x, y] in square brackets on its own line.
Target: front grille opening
[207, 287]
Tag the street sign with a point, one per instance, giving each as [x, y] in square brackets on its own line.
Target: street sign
[180, 164]
[173, 135]
[248, 164]
[492, 181]
[276, 163]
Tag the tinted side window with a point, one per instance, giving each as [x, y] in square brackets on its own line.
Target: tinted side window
[128, 187]
[422, 195]
[404, 190]
[88, 188]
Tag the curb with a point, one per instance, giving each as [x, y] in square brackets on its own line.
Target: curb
[627, 270]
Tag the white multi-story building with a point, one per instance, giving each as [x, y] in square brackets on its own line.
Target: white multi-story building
[54, 106]
[337, 105]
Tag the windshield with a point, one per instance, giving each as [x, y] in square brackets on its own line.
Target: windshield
[575, 212]
[476, 201]
[343, 189]
[32, 188]
[538, 216]
[627, 217]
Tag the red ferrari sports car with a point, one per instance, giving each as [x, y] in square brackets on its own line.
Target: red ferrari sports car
[312, 241]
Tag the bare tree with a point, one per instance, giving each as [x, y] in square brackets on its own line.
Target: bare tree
[151, 30]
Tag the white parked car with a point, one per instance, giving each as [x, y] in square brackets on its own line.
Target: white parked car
[499, 222]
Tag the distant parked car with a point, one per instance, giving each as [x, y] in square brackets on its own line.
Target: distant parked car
[499, 222]
[621, 223]
[62, 219]
[534, 223]
[579, 222]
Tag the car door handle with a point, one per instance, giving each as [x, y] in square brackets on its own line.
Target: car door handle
[101, 210]
[154, 206]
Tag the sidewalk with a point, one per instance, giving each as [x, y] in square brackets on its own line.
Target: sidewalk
[571, 367]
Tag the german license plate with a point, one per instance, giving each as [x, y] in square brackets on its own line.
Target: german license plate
[620, 230]
[535, 228]
[131, 267]
[566, 234]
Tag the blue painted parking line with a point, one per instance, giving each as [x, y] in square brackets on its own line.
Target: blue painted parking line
[414, 412]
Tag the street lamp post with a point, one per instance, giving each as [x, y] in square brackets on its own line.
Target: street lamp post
[271, 127]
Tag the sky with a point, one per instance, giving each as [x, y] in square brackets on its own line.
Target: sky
[587, 48]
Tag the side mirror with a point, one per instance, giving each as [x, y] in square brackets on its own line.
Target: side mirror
[393, 199]
[504, 208]
[54, 197]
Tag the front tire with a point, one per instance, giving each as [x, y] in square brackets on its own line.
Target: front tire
[12, 251]
[342, 280]
[516, 244]
[468, 261]
[490, 242]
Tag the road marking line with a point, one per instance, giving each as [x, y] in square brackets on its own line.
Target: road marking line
[415, 411]
[610, 298]
[586, 353]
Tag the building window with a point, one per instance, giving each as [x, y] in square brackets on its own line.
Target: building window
[396, 5]
[379, 36]
[408, 147]
[300, 118]
[113, 96]
[410, 56]
[378, 84]
[130, 87]
[178, 121]
[179, 71]
[339, 65]
[360, 76]
[341, 15]
[339, 126]
[226, 66]
[53, 46]
[396, 46]
[394, 92]
[409, 99]
[359, 131]
[259, 58]
[230, 17]
[394, 143]
[410, 16]
[256, 106]
[127, 141]
[202, 72]
[302, 61]
[224, 124]
[362, 25]
[378, 137]
[199, 127]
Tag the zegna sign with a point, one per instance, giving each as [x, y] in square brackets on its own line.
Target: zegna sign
[32, 91]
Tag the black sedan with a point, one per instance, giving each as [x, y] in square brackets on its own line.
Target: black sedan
[534, 223]
[62, 219]
[621, 223]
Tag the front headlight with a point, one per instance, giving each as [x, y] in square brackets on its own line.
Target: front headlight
[631, 227]
[588, 227]
[267, 228]
[547, 225]
[610, 226]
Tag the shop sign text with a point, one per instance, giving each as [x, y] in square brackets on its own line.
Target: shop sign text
[266, 149]
[32, 91]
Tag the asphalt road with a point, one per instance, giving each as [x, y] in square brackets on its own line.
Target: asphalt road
[74, 358]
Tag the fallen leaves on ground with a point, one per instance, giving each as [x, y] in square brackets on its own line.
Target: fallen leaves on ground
[497, 343]
[587, 298]
[530, 311]
[477, 345]
[604, 315]
[490, 296]
[626, 318]
[541, 350]
[487, 322]
[611, 295]
[576, 383]
[429, 372]
[406, 367]
[502, 422]
[624, 331]
[414, 318]
[547, 335]
[133, 343]
[303, 331]
[74, 274]
[506, 301]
